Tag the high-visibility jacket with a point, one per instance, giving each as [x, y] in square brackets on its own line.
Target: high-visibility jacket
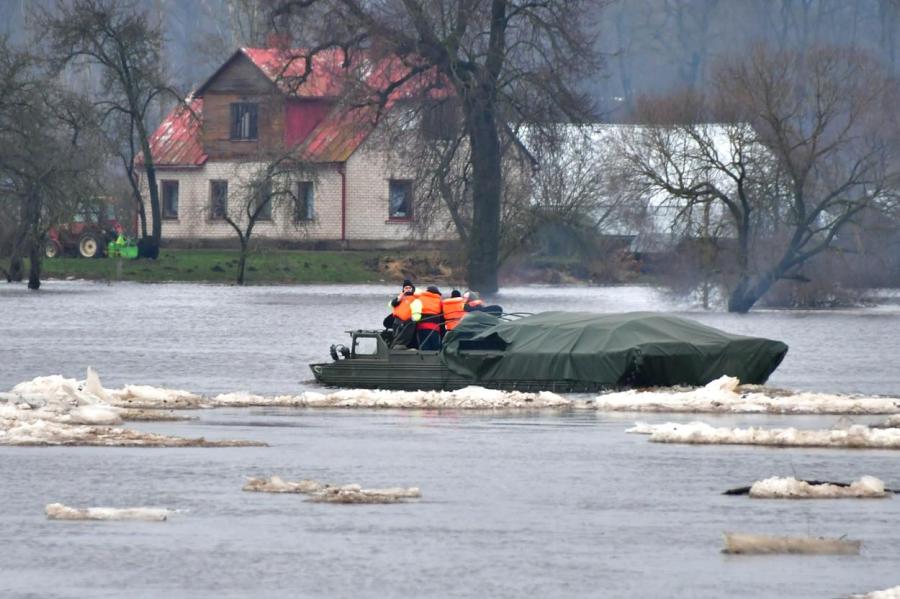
[426, 310]
[402, 310]
[454, 310]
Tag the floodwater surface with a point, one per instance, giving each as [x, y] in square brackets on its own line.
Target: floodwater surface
[549, 504]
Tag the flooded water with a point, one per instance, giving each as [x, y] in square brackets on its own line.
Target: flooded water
[541, 504]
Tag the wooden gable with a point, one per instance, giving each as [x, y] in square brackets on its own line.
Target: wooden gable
[239, 80]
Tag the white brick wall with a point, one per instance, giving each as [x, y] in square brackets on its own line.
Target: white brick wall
[368, 177]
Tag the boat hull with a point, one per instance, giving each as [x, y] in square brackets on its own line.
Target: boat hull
[412, 370]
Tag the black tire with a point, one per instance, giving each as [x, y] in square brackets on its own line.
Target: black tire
[90, 246]
[52, 249]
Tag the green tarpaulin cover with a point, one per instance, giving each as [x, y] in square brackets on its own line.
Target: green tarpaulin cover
[632, 349]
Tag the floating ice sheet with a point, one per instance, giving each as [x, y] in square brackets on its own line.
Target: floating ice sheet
[54, 410]
[753, 544]
[725, 394]
[467, 398]
[791, 488]
[58, 511]
[276, 484]
[328, 493]
[857, 436]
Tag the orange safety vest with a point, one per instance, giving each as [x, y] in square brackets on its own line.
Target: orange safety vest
[454, 310]
[403, 310]
[430, 308]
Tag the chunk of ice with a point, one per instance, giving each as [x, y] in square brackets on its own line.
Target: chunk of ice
[58, 511]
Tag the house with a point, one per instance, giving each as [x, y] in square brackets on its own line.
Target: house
[266, 102]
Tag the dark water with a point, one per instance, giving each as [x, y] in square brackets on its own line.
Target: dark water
[515, 504]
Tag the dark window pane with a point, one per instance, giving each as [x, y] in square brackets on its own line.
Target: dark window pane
[244, 119]
[264, 201]
[170, 199]
[218, 199]
[400, 199]
[305, 208]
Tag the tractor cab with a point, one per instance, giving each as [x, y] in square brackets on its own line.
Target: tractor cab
[364, 345]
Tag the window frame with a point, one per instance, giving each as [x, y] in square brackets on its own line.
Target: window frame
[212, 200]
[309, 199]
[164, 185]
[408, 185]
[238, 111]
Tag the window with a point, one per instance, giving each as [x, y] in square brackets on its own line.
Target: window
[400, 200]
[170, 199]
[263, 201]
[244, 120]
[440, 121]
[365, 346]
[218, 199]
[304, 208]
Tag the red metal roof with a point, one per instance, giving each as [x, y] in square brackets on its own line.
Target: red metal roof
[339, 134]
[288, 69]
[346, 128]
[176, 142]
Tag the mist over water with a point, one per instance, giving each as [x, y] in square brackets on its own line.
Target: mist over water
[514, 504]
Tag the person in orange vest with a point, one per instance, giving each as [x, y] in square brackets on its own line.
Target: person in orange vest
[427, 314]
[454, 309]
[400, 318]
[473, 301]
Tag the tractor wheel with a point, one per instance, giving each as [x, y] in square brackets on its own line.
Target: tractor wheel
[52, 249]
[89, 246]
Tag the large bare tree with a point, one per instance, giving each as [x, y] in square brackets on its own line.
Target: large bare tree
[804, 143]
[504, 61]
[49, 164]
[118, 39]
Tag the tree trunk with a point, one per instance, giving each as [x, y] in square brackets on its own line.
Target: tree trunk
[35, 256]
[748, 291]
[484, 237]
[153, 189]
[242, 263]
[16, 268]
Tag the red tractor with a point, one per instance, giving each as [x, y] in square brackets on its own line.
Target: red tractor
[87, 235]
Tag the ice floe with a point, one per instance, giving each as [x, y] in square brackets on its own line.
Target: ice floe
[54, 410]
[726, 394]
[58, 511]
[356, 494]
[328, 493]
[753, 544]
[791, 488]
[45, 432]
[856, 436]
[891, 593]
[467, 398]
[276, 484]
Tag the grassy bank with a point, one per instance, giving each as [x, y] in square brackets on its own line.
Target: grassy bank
[220, 266]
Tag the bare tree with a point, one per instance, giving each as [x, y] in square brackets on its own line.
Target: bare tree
[504, 60]
[48, 160]
[266, 190]
[118, 38]
[804, 150]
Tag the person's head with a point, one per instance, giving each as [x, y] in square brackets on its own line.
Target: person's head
[472, 296]
[408, 287]
[433, 289]
[455, 293]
